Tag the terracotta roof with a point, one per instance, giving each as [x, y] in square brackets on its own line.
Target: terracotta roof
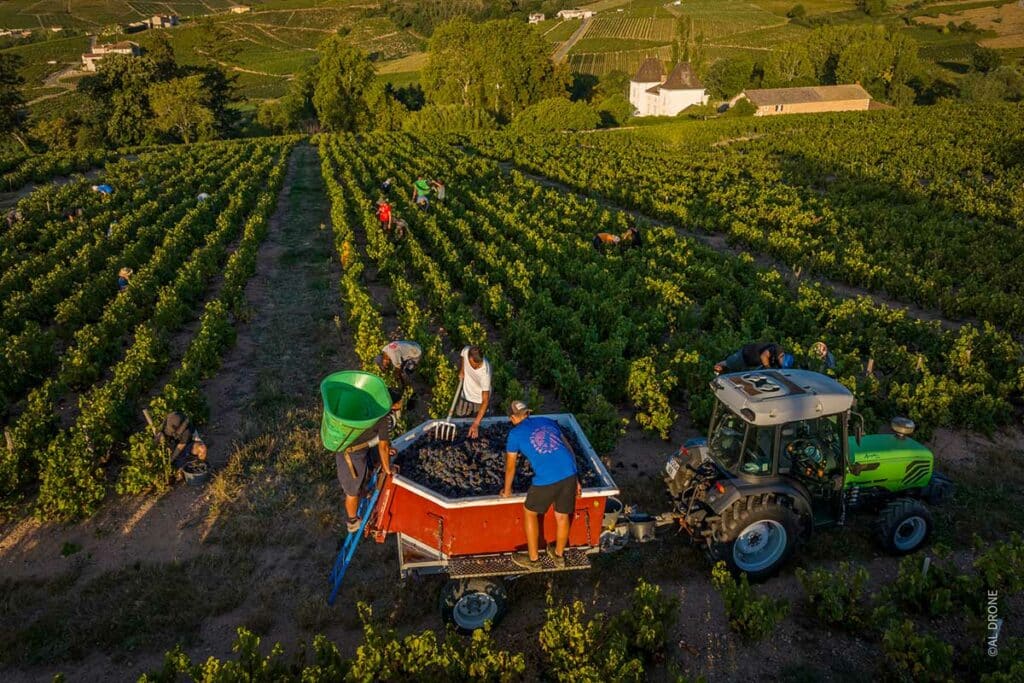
[682, 78]
[819, 93]
[649, 72]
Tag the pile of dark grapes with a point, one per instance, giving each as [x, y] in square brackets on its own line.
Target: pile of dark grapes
[475, 467]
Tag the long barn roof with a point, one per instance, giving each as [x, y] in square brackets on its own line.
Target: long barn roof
[818, 93]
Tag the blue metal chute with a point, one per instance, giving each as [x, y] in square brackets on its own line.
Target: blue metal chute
[348, 548]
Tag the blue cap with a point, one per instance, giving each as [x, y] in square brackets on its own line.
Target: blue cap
[787, 360]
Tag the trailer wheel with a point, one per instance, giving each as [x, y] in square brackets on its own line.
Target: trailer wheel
[469, 603]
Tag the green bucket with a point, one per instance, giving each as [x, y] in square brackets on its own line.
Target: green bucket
[353, 402]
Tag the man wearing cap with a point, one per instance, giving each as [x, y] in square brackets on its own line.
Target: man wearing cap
[353, 462]
[555, 481]
[401, 356]
[821, 359]
[754, 357]
[475, 374]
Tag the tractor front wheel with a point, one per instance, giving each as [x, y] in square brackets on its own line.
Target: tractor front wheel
[903, 526]
[469, 603]
[756, 536]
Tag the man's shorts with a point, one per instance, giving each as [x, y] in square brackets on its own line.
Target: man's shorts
[464, 408]
[352, 487]
[562, 494]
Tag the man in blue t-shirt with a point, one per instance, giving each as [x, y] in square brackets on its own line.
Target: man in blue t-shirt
[555, 482]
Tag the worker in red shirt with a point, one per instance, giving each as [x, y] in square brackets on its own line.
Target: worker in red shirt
[384, 215]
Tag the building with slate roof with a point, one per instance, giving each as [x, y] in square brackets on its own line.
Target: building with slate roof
[652, 94]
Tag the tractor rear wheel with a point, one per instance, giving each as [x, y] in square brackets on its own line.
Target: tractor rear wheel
[469, 603]
[903, 526]
[756, 536]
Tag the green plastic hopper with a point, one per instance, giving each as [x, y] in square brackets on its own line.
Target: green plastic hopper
[353, 402]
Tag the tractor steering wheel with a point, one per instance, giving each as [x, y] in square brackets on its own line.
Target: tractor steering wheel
[806, 458]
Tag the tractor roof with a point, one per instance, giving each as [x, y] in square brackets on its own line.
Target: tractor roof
[771, 397]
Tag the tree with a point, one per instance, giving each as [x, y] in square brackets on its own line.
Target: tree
[882, 61]
[797, 13]
[294, 111]
[1004, 83]
[56, 134]
[161, 54]
[985, 59]
[554, 114]
[872, 8]
[729, 76]
[788, 68]
[387, 112]
[12, 104]
[614, 82]
[181, 108]
[742, 108]
[341, 78]
[501, 66]
[615, 110]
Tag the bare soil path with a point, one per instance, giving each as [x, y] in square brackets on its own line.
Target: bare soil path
[562, 52]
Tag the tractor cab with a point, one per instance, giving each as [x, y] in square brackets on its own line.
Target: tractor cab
[788, 424]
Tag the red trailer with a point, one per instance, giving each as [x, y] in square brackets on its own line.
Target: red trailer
[472, 539]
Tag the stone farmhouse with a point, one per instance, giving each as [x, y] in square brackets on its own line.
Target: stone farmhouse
[163, 21]
[90, 60]
[807, 100]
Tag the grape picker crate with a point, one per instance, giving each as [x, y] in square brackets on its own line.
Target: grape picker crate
[474, 535]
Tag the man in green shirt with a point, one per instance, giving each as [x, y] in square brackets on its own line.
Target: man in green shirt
[421, 192]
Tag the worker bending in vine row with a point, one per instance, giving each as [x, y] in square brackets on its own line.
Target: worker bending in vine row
[764, 355]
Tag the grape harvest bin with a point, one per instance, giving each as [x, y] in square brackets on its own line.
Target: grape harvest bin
[472, 539]
[468, 537]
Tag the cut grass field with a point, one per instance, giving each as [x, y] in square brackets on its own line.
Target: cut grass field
[1005, 21]
[558, 31]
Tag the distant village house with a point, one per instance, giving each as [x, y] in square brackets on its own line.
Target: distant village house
[90, 60]
[651, 94]
[575, 14]
[808, 100]
[163, 21]
[240, 9]
[536, 17]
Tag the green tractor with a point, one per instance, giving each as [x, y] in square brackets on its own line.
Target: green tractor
[786, 455]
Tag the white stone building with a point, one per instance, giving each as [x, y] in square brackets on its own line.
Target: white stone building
[575, 14]
[651, 94]
[90, 60]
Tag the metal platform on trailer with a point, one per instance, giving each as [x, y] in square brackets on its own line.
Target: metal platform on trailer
[502, 564]
[416, 558]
